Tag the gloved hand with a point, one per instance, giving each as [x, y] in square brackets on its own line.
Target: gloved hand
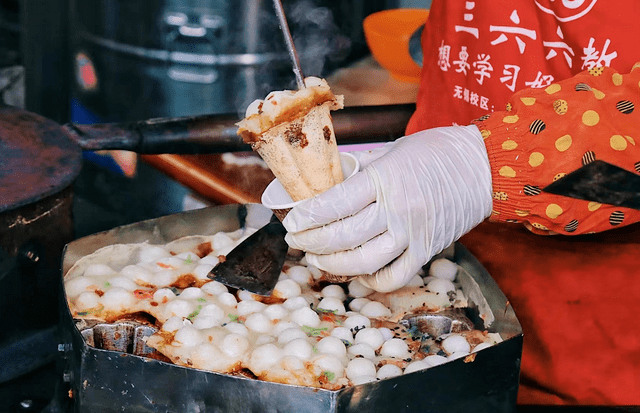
[412, 199]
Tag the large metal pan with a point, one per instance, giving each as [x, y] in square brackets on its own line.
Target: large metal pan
[120, 377]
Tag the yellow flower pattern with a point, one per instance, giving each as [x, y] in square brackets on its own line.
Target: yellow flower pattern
[548, 133]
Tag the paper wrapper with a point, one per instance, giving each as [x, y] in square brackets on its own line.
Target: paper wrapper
[303, 153]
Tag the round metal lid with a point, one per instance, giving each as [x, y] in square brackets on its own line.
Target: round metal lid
[36, 158]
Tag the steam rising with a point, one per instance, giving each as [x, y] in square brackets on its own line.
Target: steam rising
[317, 39]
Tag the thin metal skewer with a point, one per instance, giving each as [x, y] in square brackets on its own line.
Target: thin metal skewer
[290, 46]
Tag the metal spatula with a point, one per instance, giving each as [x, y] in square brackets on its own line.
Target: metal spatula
[255, 264]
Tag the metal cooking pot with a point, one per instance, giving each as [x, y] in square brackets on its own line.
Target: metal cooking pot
[136, 59]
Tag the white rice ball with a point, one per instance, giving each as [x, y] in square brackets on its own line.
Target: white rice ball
[387, 334]
[396, 348]
[481, 346]
[211, 259]
[202, 322]
[358, 290]
[118, 299]
[163, 277]
[332, 304]
[212, 310]
[227, 299]
[435, 360]
[275, 312]
[173, 324]
[86, 300]
[375, 309]
[263, 339]
[77, 285]
[330, 363]
[178, 308]
[415, 281]
[188, 336]
[98, 270]
[138, 274]
[300, 274]
[343, 334]
[209, 356]
[387, 371]
[357, 303]
[250, 306]
[295, 303]
[284, 325]
[357, 322]
[163, 295]
[360, 367]
[214, 288]
[221, 241]
[189, 257]
[315, 272]
[151, 253]
[171, 263]
[214, 334]
[263, 357]
[440, 286]
[455, 343]
[444, 269]
[191, 293]
[122, 282]
[362, 349]
[371, 336]
[291, 363]
[331, 345]
[291, 334]
[201, 272]
[287, 289]
[234, 345]
[305, 317]
[244, 295]
[335, 291]
[415, 366]
[237, 328]
[258, 322]
[300, 348]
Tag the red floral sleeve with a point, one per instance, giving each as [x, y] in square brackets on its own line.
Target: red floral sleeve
[545, 134]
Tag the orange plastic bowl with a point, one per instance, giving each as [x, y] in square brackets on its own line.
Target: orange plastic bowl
[387, 33]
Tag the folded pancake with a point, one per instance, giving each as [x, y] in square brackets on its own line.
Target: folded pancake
[293, 133]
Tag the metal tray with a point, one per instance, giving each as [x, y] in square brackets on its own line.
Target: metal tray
[121, 376]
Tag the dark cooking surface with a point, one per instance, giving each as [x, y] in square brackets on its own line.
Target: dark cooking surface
[36, 161]
[102, 200]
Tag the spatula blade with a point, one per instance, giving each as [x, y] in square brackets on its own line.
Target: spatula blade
[255, 264]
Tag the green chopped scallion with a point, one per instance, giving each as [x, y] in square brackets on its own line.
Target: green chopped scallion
[313, 332]
[195, 313]
[329, 375]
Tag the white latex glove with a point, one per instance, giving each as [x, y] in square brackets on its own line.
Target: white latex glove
[413, 198]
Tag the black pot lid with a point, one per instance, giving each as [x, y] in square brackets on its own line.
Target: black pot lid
[36, 158]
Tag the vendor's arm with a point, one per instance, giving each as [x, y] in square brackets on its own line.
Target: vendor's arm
[419, 193]
[548, 133]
